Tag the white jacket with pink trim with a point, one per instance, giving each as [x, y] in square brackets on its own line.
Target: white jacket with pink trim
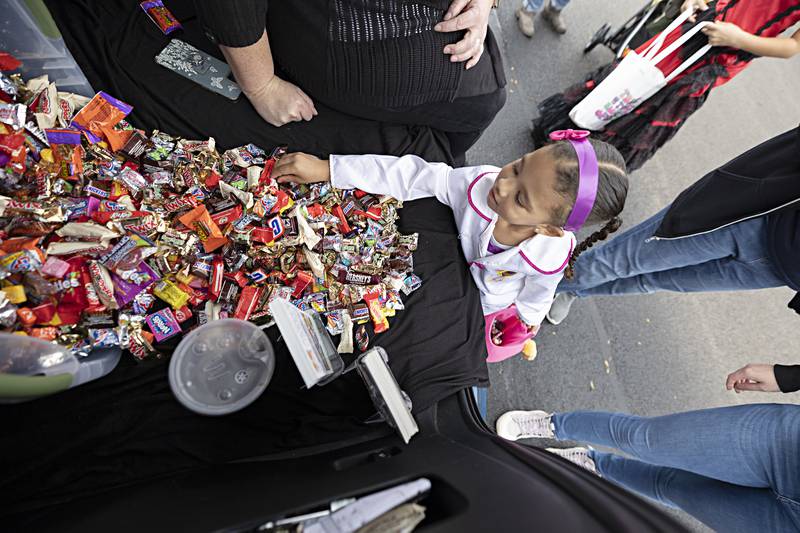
[525, 275]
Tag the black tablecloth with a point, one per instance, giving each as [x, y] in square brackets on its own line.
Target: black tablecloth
[127, 426]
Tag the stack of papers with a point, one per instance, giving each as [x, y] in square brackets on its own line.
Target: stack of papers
[385, 392]
[364, 511]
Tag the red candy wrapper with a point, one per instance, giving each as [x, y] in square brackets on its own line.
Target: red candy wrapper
[248, 301]
[343, 225]
[44, 313]
[183, 314]
[9, 62]
[161, 16]
[301, 282]
[217, 275]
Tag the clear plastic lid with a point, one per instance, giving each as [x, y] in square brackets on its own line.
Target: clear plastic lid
[221, 367]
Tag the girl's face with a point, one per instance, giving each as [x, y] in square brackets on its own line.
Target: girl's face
[525, 194]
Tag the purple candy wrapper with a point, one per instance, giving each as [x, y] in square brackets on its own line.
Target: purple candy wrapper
[63, 136]
[163, 324]
[92, 205]
[119, 104]
[126, 291]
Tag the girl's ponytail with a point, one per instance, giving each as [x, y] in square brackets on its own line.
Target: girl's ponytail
[599, 235]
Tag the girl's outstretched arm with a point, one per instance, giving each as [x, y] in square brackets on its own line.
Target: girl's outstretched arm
[405, 178]
[729, 34]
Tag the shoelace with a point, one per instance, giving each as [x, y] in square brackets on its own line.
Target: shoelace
[538, 426]
[579, 457]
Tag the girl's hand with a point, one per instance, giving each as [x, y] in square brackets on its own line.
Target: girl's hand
[700, 5]
[753, 378]
[725, 34]
[301, 168]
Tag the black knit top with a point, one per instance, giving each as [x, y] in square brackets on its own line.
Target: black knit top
[788, 377]
[371, 52]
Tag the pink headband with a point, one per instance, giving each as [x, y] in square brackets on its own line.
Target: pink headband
[588, 171]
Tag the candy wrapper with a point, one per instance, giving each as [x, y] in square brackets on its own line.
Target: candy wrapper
[163, 324]
[346, 341]
[102, 112]
[161, 16]
[206, 229]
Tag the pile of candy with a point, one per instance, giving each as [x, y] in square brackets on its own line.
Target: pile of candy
[112, 237]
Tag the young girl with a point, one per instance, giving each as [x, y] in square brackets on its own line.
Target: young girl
[516, 223]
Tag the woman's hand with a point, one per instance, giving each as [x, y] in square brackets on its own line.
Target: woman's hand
[753, 378]
[301, 168]
[472, 16]
[699, 5]
[725, 34]
[280, 102]
[277, 101]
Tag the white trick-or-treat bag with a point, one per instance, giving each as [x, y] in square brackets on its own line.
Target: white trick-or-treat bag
[635, 79]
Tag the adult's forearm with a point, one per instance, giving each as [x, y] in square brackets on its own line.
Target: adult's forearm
[783, 47]
[251, 65]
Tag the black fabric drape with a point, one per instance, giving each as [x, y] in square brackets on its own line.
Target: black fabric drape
[127, 426]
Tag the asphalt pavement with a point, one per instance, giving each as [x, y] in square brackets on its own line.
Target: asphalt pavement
[648, 354]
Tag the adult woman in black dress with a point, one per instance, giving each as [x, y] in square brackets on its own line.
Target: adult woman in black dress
[419, 62]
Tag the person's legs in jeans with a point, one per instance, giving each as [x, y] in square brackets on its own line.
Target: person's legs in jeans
[718, 275]
[551, 11]
[536, 5]
[720, 505]
[754, 445]
[731, 258]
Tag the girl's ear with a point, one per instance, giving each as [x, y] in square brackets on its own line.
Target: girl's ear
[548, 230]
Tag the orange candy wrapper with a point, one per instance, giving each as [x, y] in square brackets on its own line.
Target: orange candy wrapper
[199, 220]
[102, 111]
[379, 321]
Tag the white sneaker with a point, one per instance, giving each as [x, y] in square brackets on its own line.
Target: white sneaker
[515, 425]
[578, 456]
[559, 309]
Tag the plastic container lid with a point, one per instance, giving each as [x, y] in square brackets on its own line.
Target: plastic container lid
[221, 367]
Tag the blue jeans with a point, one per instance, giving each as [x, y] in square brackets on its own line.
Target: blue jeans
[736, 469]
[728, 259]
[537, 5]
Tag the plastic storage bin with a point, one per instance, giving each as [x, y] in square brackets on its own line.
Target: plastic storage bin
[28, 32]
[31, 368]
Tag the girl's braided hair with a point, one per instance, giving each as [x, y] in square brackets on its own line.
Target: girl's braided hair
[612, 189]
